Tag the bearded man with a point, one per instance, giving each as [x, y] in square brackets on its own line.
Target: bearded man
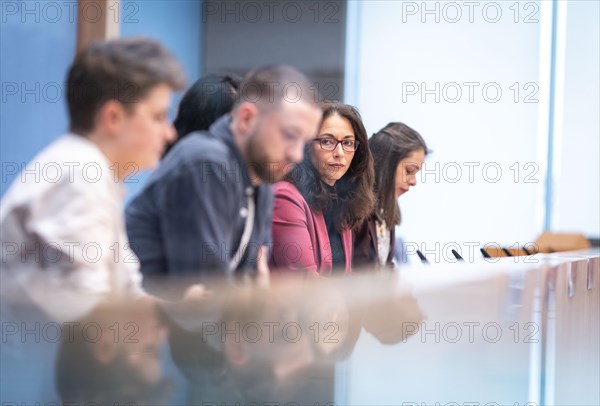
[206, 211]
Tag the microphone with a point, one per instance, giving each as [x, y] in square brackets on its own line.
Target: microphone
[457, 255]
[422, 257]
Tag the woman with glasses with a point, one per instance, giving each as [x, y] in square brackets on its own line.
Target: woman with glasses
[398, 152]
[324, 197]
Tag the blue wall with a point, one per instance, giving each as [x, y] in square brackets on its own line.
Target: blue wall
[37, 45]
[177, 24]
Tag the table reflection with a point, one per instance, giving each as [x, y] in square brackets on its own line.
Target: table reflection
[221, 343]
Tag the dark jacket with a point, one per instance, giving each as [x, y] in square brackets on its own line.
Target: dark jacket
[190, 216]
[366, 253]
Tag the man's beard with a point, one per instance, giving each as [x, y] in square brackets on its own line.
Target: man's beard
[265, 170]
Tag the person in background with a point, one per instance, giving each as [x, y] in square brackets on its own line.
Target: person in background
[398, 152]
[206, 211]
[62, 221]
[324, 197]
[211, 97]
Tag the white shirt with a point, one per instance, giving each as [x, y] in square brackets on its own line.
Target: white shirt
[383, 241]
[62, 224]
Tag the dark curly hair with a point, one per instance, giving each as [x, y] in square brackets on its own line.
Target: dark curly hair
[353, 200]
[211, 97]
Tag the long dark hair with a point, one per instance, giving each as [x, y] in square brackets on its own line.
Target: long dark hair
[353, 199]
[209, 98]
[389, 146]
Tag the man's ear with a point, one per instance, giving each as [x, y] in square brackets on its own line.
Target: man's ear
[246, 118]
[235, 353]
[110, 117]
[104, 351]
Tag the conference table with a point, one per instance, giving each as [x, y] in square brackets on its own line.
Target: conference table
[497, 331]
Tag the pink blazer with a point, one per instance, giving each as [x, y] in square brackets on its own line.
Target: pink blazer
[300, 239]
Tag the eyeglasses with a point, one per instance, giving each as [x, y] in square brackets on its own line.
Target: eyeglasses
[330, 144]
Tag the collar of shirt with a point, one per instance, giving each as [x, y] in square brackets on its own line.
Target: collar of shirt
[222, 130]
